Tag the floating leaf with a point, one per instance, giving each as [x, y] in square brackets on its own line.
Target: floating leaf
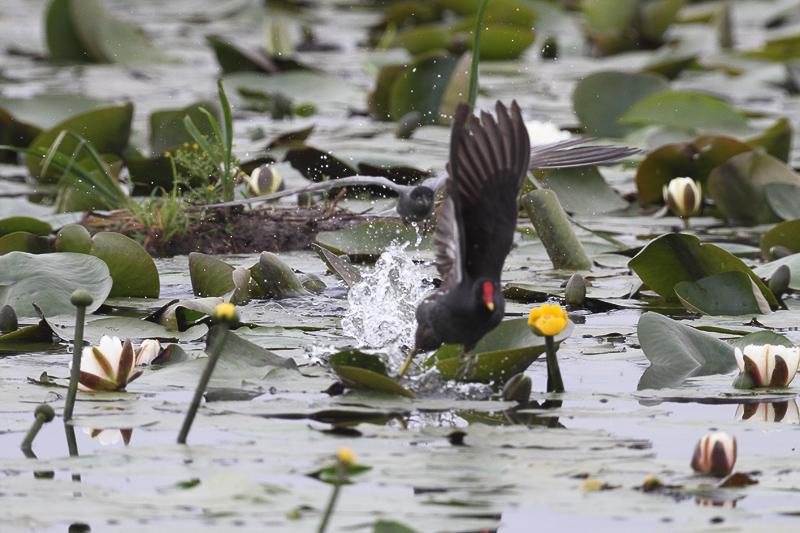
[107, 129]
[677, 352]
[783, 199]
[23, 241]
[786, 234]
[340, 265]
[582, 191]
[180, 315]
[600, 99]
[686, 111]
[422, 86]
[275, 279]
[694, 159]
[48, 281]
[131, 267]
[210, 276]
[737, 186]
[505, 351]
[729, 293]
[366, 371]
[776, 140]
[367, 241]
[168, 131]
[676, 257]
[27, 224]
[792, 261]
[34, 338]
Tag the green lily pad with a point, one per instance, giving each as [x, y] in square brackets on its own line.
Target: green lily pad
[168, 131]
[63, 40]
[34, 338]
[729, 293]
[737, 186]
[783, 199]
[505, 351]
[107, 129]
[48, 281]
[766, 270]
[23, 241]
[694, 159]
[686, 111]
[422, 86]
[677, 352]
[131, 267]
[26, 224]
[776, 140]
[339, 265]
[582, 191]
[275, 279]
[210, 276]
[365, 371]
[180, 315]
[600, 99]
[243, 351]
[786, 234]
[367, 241]
[761, 338]
[676, 257]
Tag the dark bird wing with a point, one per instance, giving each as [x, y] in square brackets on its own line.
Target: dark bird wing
[488, 163]
[570, 153]
[350, 181]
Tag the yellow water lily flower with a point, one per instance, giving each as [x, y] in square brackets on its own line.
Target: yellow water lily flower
[225, 311]
[548, 320]
[345, 456]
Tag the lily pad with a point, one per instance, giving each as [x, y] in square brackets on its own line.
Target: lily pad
[786, 234]
[422, 86]
[505, 351]
[107, 129]
[23, 241]
[168, 131]
[729, 293]
[48, 281]
[783, 199]
[131, 267]
[366, 371]
[792, 261]
[179, 315]
[737, 186]
[582, 191]
[26, 224]
[210, 276]
[600, 99]
[367, 241]
[275, 279]
[686, 111]
[676, 257]
[340, 265]
[677, 352]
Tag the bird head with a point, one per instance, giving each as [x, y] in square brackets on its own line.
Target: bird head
[420, 204]
[489, 295]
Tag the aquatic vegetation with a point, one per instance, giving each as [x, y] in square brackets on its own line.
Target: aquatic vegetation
[715, 454]
[110, 366]
[766, 366]
[684, 197]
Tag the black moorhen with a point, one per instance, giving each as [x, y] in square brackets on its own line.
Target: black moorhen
[489, 160]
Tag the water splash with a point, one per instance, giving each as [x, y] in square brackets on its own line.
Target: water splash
[383, 304]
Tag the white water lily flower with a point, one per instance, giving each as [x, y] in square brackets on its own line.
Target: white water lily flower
[107, 367]
[110, 437]
[768, 365]
[715, 454]
[783, 412]
[683, 196]
[148, 351]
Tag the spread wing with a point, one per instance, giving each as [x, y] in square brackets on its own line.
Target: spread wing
[569, 153]
[488, 162]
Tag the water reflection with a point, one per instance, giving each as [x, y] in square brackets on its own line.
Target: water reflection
[704, 501]
[782, 412]
[110, 437]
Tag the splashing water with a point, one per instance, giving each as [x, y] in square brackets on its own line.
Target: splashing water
[383, 304]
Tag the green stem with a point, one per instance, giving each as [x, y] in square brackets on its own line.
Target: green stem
[75, 372]
[72, 446]
[340, 472]
[554, 381]
[27, 442]
[476, 43]
[685, 221]
[218, 334]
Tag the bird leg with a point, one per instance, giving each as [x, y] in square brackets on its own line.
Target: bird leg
[554, 381]
[407, 363]
[467, 364]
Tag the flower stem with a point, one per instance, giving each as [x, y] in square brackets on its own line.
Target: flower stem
[685, 221]
[218, 334]
[81, 302]
[476, 53]
[43, 414]
[340, 474]
[554, 381]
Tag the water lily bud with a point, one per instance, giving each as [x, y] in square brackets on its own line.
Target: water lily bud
[547, 320]
[8, 319]
[518, 389]
[81, 298]
[715, 454]
[264, 180]
[73, 238]
[148, 352]
[779, 252]
[44, 412]
[779, 280]
[766, 365]
[683, 196]
[575, 292]
[345, 456]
